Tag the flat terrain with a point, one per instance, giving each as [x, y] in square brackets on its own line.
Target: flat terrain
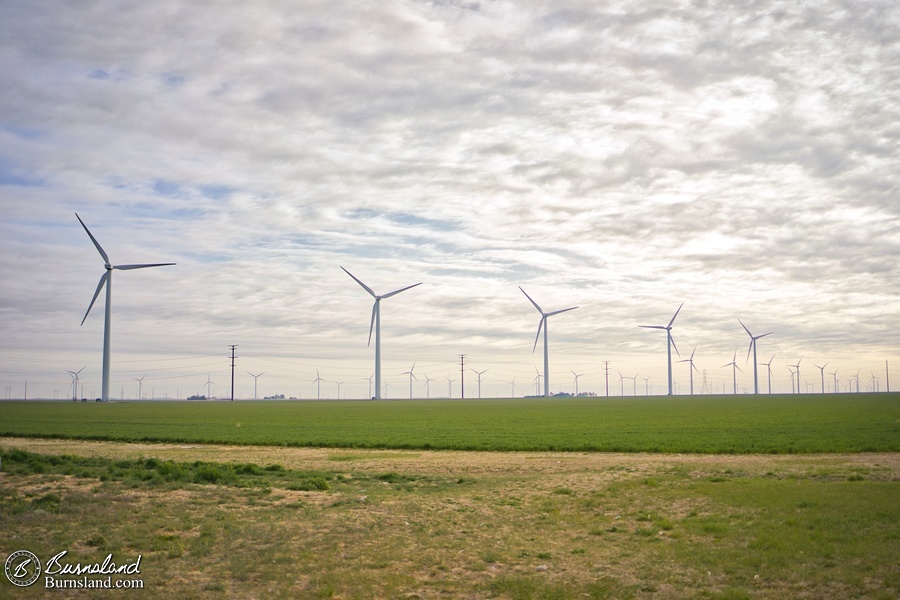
[803, 423]
[363, 523]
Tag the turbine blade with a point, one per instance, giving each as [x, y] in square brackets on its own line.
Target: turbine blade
[364, 286]
[93, 239]
[372, 323]
[653, 326]
[694, 367]
[749, 348]
[675, 315]
[671, 339]
[539, 309]
[100, 285]
[745, 328]
[764, 335]
[692, 352]
[738, 368]
[541, 324]
[556, 312]
[395, 292]
[130, 267]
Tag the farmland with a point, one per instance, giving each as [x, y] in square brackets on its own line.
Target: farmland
[687, 424]
[711, 497]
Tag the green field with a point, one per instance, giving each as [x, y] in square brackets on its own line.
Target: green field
[841, 423]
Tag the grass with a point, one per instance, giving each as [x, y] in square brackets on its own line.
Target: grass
[816, 423]
[518, 526]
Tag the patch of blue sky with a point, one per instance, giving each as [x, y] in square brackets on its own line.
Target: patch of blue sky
[165, 187]
[216, 192]
[12, 176]
[403, 218]
[28, 133]
[172, 80]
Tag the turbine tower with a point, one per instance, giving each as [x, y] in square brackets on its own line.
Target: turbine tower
[106, 279]
[376, 325]
[577, 375]
[255, 377]
[797, 368]
[670, 343]
[752, 347]
[692, 369]
[480, 373]
[411, 377]
[822, 370]
[734, 371]
[769, 369]
[543, 323]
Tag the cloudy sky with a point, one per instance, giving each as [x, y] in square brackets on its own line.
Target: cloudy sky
[624, 157]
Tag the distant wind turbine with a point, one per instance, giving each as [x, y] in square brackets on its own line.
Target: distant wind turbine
[752, 347]
[106, 279]
[670, 343]
[427, 386]
[75, 375]
[411, 377]
[140, 386]
[790, 368]
[369, 379]
[734, 371]
[480, 373]
[318, 381]
[769, 369]
[797, 368]
[577, 375]
[339, 384]
[450, 387]
[647, 384]
[543, 323]
[692, 369]
[622, 379]
[835, 380]
[537, 382]
[255, 377]
[513, 384]
[376, 325]
[822, 372]
[209, 383]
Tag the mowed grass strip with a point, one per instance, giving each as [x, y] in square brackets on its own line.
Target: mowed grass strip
[817, 423]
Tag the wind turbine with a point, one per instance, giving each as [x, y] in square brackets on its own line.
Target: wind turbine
[318, 381]
[537, 382]
[822, 372]
[769, 369]
[543, 323]
[427, 387]
[857, 381]
[255, 377]
[734, 371]
[792, 378]
[369, 379]
[480, 373]
[411, 377]
[450, 387]
[577, 375]
[106, 279]
[339, 384]
[75, 375]
[376, 325]
[208, 384]
[753, 339]
[797, 367]
[647, 384]
[140, 386]
[835, 380]
[670, 343]
[513, 384]
[692, 369]
[621, 383]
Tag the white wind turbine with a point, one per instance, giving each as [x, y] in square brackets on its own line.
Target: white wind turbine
[513, 388]
[376, 325]
[411, 377]
[449, 387]
[734, 371]
[318, 381]
[577, 375]
[255, 378]
[427, 387]
[769, 369]
[209, 383]
[753, 339]
[543, 323]
[140, 386]
[106, 279]
[670, 343]
[480, 373]
[75, 377]
[822, 371]
[797, 369]
[647, 384]
[692, 369]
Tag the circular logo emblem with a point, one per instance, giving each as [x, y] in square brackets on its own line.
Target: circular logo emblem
[22, 568]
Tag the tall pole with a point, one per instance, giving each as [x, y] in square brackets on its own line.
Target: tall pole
[755, 376]
[606, 362]
[887, 377]
[669, 351]
[107, 318]
[377, 310]
[462, 376]
[233, 346]
[546, 360]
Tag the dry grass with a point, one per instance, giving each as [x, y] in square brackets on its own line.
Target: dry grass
[400, 524]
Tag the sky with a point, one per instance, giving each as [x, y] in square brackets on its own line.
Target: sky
[622, 157]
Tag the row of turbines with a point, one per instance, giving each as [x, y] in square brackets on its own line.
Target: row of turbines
[375, 327]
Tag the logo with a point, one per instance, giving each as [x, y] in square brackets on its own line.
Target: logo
[22, 568]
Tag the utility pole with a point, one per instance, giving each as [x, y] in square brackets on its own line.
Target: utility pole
[462, 376]
[606, 362]
[232, 346]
